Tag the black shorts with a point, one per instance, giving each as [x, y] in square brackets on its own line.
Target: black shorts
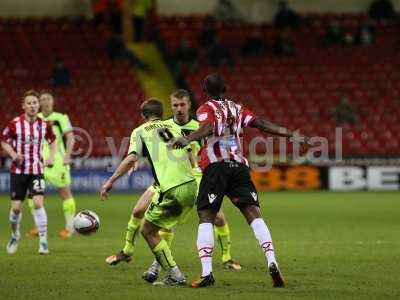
[226, 178]
[21, 185]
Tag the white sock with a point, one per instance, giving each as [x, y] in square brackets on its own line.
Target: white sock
[205, 246]
[69, 223]
[41, 223]
[15, 220]
[264, 239]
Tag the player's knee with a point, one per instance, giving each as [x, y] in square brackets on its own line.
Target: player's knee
[206, 215]
[250, 212]
[16, 211]
[65, 193]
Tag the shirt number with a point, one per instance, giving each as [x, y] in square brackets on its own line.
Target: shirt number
[165, 134]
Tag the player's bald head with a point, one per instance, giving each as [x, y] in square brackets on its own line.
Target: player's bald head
[214, 85]
[152, 107]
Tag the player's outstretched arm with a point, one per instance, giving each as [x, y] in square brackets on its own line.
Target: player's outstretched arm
[204, 131]
[272, 128]
[269, 127]
[122, 169]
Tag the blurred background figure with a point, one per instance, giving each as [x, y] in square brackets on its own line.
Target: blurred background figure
[334, 35]
[366, 34]
[139, 11]
[286, 17]
[208, 35]
[284, 45]
[225, 11]
[185, 59]
[108, 12]
[116, 50]
[381, 9]
[254, 45]
[219, 54]
[344, 112]
[60, 76]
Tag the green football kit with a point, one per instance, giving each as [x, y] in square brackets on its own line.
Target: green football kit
[59, 174]
[171, 169]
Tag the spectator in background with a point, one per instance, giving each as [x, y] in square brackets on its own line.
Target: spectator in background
[286, 17]
[60, 75]
[225, 10]
[365, 34]
[99, 8]
[254, 45]
[334, 35]
[115, 8]
[110, 12]
[185, 62]
[139, 10]
[116, 50]
[344, 112]
[348, 39]
[381, 9]
[218, 54]
[185, 58]
[208, 36]
[284, 45]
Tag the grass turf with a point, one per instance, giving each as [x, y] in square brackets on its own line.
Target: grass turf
[329, 246]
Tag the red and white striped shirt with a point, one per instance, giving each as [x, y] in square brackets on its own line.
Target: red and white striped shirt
[228, 119]
[26, 139]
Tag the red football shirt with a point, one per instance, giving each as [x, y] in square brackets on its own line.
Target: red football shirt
[228, 120]
[26, 138]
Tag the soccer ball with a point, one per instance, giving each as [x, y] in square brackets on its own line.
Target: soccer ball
[86, 222]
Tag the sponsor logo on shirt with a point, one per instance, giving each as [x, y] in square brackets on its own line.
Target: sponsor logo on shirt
[228, 142]
[31, 141]
[202, 117]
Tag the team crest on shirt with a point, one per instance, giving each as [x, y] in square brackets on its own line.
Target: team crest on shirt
[202, 117]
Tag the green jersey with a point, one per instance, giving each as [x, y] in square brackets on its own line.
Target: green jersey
[187, 129]
[171, 167]
[61, 126]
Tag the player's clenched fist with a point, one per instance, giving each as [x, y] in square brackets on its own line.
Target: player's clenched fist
[18, 159]
[107, 186]
[179, 143]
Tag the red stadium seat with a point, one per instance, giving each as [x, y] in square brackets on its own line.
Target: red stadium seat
[91, 94]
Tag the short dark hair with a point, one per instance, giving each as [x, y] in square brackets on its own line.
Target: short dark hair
[180, 94]
[29, 93]
[45, 92]
[214, 85]
[152, 107]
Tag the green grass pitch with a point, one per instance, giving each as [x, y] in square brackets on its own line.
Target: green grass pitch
[329, 246]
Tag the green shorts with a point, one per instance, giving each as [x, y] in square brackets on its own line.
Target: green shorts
[59, 175]
[169, 208]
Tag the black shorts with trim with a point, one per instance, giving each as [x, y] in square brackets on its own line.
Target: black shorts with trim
[22, 184]
[226, 178]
